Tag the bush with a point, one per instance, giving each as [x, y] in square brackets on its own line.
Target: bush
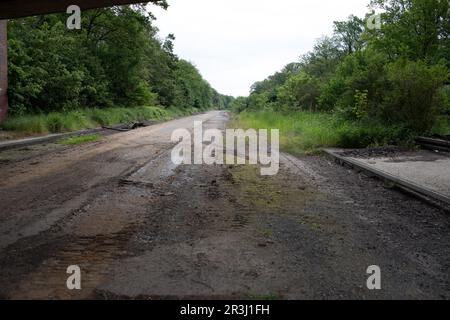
[415, 97]
[239, 104]
[360, 73]
[363, 134]
[300, 92]
[404, 93]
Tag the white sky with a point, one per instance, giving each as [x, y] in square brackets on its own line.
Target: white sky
[235, 43]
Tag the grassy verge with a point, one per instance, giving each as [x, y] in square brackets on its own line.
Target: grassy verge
[306, 132]
[80, 139]
[56, 122]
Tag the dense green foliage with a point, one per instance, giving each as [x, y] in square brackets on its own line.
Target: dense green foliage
[116, 59]
[396, 76]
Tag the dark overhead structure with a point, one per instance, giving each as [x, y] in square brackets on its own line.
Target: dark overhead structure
[11, 9]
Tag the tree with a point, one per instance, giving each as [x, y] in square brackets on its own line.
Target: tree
[416, 95]
[300, 92]
[239, 104]
[322, 61]
[360, 72]
[348, 33]
[414, 29]
[115, 59]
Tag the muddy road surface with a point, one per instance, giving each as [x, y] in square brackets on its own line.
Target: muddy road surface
[140, 227]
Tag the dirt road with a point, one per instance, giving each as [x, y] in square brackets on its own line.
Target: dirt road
[141, 228]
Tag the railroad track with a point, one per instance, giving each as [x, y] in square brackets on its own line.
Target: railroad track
[433, 144]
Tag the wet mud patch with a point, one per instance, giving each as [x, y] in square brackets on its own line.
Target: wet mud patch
[280, 194]
[100, 233]
[30, 152]
[210, 237]
[94, 255]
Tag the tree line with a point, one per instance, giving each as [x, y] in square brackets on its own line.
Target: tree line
[396, 73]
[116, 59]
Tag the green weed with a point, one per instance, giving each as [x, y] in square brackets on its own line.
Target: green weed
[80, 139]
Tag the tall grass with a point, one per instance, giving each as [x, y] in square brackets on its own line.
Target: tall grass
[307, 132]
[82, 119]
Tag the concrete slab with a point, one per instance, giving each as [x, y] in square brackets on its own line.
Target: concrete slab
[422, 171]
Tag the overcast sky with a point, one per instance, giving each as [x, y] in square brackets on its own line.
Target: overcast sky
[235, 43]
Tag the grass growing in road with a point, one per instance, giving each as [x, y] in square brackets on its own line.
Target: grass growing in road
[80, 139]
[306, 132]
[264, 297]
